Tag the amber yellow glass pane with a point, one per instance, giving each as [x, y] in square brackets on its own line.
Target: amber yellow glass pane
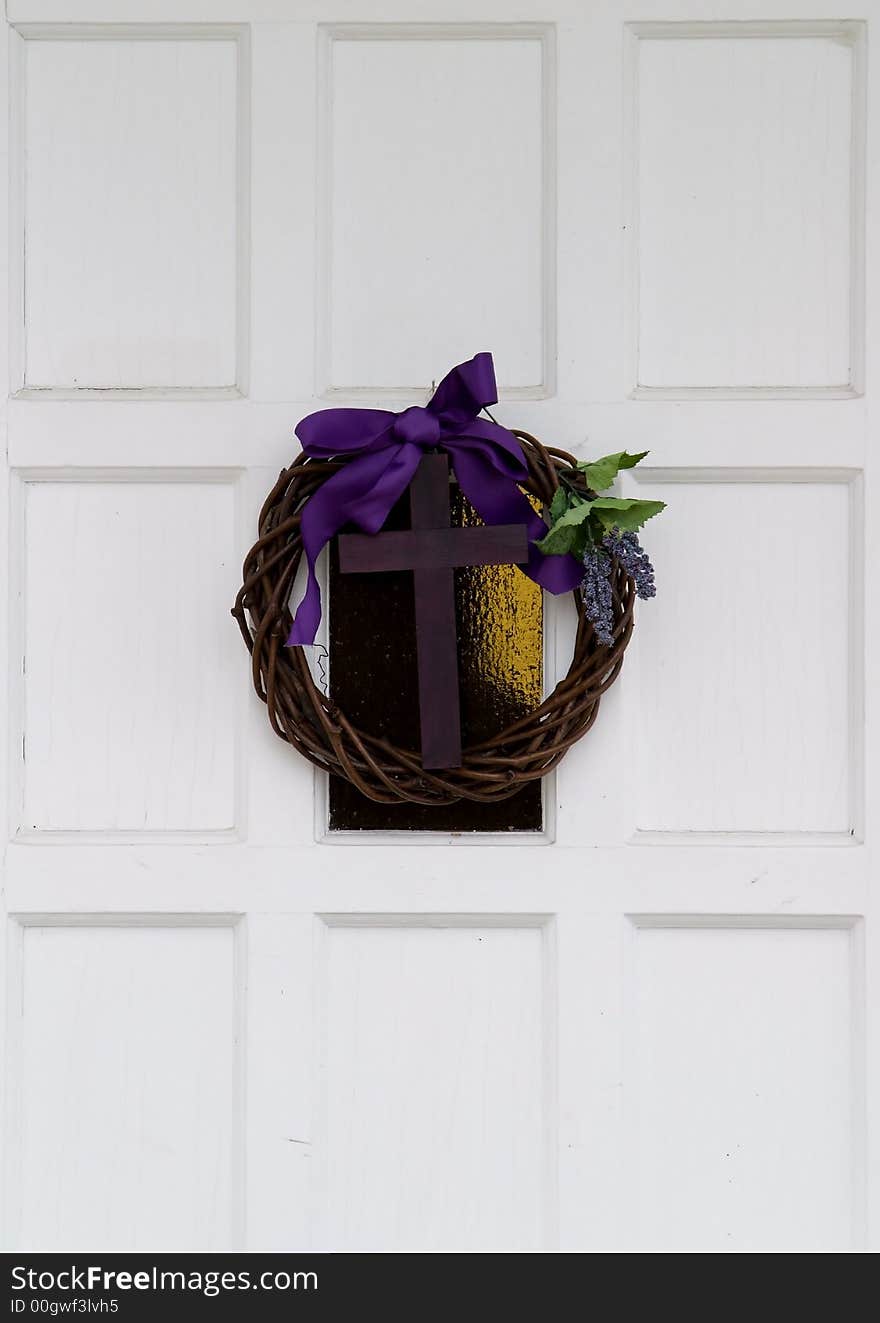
[500, 619]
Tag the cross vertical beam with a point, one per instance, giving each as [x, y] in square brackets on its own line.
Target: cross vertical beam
[430, 550]
[436, 630]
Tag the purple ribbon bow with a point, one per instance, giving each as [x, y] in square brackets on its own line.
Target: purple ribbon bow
[487, 460]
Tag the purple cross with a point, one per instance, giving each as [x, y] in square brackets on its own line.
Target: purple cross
[430, 549]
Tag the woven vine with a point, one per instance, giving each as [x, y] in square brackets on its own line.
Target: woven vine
[314, 725]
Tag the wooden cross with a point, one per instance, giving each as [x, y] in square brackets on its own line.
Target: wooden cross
[431, 550]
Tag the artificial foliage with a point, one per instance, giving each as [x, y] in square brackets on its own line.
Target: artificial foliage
[601, 531]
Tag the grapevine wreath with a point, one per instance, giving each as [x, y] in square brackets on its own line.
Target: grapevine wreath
[587, 545]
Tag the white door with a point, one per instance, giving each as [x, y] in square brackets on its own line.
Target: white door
[642, 1026]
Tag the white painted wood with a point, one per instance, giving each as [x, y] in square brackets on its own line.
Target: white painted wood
[781, 434]
[766, 877]
[130, 212]
[742, 1136]
[281, 256]
[744, 707]
[127, 1112]
[130, 687]
[744, 185]
[464, 155]
[434, 1071]
[500, 1048]
[591, 1081]
[280, 1114]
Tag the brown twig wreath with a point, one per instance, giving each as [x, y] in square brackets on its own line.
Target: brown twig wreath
[311, 722]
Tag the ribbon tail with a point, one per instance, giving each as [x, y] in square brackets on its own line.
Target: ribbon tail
[308, 613]
[497, 500]
[362, 493]
[317, 526]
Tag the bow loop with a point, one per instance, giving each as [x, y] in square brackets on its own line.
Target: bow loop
[467, 388]
[385, 450]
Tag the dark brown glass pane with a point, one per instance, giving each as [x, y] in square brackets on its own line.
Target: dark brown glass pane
[373, 677]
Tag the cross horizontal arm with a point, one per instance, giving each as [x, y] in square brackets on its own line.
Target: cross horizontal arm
[433, 548]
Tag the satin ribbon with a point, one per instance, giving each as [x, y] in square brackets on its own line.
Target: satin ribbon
[487, 461]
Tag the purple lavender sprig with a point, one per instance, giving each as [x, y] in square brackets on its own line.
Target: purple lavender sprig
[630, 553]
[596, 592]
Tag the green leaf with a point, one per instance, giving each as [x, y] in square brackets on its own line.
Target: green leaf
[582, 537]
[600, 473]
[628, 516]
[558, 541]
[559, 503]
[562, 536]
